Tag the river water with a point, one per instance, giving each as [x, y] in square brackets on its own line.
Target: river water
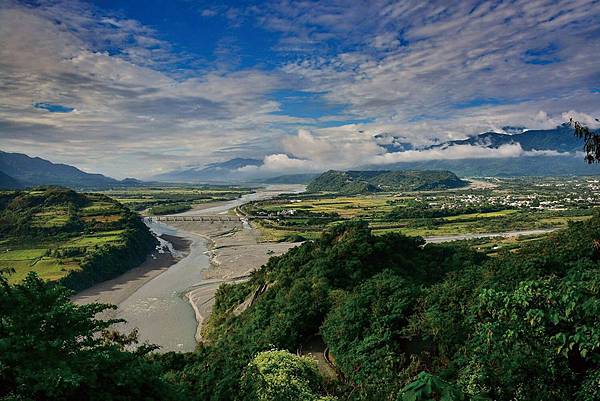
[159, 309]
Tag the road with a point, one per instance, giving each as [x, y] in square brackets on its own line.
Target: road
[448, 238]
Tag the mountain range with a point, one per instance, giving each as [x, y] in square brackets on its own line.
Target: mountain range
[552, 152]
[213, 172]
[18, 170]
[8, 182]
[560, 139]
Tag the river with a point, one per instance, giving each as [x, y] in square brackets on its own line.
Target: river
[158, 309]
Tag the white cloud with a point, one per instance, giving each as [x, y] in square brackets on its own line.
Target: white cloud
[464, 62]
[458, 152]
[416, 70]
[277, 164]
[583, 118]
[131, 118]
[208, 12]
[333, 150]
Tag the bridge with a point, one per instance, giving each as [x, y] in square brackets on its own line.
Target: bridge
[203, 218]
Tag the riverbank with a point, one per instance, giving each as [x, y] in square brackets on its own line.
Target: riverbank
[235, 250]
[172, 293]
[117, 290]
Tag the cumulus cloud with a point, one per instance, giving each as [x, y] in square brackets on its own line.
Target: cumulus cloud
[584, 118]
[332, 151]
[277, 164]
[323, 150]
[458, 152]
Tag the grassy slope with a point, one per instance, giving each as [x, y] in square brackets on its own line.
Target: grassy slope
[66, 236]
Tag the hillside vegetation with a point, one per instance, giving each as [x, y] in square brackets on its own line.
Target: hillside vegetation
[400, 321]
[78, 239]
[360, 182]
[517, 326]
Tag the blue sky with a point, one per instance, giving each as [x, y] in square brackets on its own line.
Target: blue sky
[137, 88]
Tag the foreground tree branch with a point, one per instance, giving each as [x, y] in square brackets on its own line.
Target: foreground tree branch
[591, 139]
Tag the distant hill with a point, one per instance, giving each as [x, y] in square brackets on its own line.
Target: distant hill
[8, 182]
[563, 165]
[357, 182]
[291, 179]
[213, 172]
[33, 171]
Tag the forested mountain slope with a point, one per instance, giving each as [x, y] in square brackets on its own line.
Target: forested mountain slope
[519, 326]
[34, 171]
[8, 182]
[356, 182]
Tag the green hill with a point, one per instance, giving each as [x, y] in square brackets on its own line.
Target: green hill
[78, 239]
[359, 182]
[387, 308]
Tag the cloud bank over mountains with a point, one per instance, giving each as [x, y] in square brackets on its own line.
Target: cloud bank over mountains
[309, 154]
[305, 86]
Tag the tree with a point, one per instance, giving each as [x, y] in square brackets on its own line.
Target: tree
[427, 387]
[52, 349]
[537, 342]
[591, 141]
[364, 333]
[282, 376]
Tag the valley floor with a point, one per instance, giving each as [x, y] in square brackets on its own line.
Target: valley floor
[234, 249]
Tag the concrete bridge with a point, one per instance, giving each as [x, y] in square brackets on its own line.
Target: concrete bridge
[203, 218]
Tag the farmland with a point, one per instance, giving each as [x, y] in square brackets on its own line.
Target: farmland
[173, 199]
[493, 205]
[64, 235]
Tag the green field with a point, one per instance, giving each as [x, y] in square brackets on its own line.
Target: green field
[502, 205]
[173, 199]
